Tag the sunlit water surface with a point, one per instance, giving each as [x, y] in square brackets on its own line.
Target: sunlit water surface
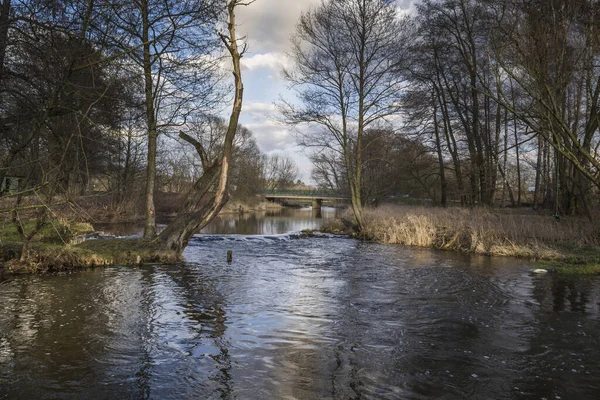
[321, 318]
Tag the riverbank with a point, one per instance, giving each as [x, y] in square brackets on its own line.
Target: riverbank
[93, 253]
[571, 245]
[100, 208]
[63, 246]
[60, 246]
[238, 207]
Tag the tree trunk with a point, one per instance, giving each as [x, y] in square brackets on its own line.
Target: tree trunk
[4, 25]
[199, 208]
[150, 224]
[209, 193]
[538, 175]
[451, 141]
[438, 145]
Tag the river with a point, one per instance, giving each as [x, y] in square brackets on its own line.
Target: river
[317, 318]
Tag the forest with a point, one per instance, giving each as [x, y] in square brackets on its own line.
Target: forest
[120, 110]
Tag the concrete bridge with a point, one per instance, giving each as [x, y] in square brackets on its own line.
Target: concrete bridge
[316, 197]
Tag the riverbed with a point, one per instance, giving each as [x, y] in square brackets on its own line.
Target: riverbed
[315, 318]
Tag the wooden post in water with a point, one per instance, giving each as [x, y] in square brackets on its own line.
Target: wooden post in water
[229, 255]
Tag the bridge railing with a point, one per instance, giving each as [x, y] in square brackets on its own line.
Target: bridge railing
[307, 193]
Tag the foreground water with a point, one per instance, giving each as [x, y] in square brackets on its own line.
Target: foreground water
[301, 319]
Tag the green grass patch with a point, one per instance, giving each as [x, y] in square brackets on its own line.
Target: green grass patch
[50, 250]
[49, 257]
[587, 263]
[577, 269]
[55, 231]
[126, 251]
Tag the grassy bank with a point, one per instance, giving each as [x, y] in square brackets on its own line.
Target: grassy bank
[236, 207]
[58, 247]
[572, 244]
[61, 245]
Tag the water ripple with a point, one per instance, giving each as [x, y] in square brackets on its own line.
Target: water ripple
[296, 318]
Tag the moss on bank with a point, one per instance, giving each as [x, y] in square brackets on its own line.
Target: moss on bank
[586, 269]
[52, 257]
[583, 260]
[55, 231]
[53, 250]
[48, 257]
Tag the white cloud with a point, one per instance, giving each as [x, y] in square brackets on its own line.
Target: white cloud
[274, 61]
[268, 24]
[407, 7]
[270, 135]
[257, 110]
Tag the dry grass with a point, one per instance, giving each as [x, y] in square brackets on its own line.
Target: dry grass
[237, 207]
[52, 257]
[520, 233]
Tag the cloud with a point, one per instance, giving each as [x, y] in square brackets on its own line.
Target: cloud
[274, 61]
[256, 110]
[268, 24]
[407, 7]
[271, 135]
[261, 119]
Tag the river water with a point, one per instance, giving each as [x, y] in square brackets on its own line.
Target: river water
[318, 318]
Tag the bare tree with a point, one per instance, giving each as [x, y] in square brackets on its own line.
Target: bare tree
[246, 175]
[328, 170]
[169, 44]
[347, 55]
[210, 193]
[549, 51]
[280, 171]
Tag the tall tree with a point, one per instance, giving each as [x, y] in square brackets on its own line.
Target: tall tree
[169, 44]
[347, 55]
[550, 49]
[210, 193]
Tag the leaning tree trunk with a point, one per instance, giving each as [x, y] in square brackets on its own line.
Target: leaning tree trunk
[209, 193]
[200, 206]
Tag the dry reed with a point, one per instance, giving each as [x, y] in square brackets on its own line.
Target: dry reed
[481, 231]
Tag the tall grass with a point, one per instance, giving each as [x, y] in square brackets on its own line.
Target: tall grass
[482, 231]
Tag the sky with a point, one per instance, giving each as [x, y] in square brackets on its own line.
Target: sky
[268, 26]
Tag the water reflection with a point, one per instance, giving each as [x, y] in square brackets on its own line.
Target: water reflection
[302, 319]
[269, 222]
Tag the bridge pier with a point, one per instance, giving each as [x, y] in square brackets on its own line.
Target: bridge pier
[316, 204]
[316, 213]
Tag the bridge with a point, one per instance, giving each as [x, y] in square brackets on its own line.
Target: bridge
[315, 196]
